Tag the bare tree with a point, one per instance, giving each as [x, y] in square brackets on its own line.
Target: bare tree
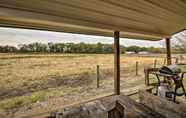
[180, 41]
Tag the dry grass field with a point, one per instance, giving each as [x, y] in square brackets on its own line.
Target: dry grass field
[34, 81]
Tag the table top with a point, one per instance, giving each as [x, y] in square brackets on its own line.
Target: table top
[162, 74]
[165, 75]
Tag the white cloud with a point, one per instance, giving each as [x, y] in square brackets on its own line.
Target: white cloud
[14, 36]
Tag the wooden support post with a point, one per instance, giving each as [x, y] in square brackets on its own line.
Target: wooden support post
[97, 76]
[116, 63]
[137, 64]
[168, 50]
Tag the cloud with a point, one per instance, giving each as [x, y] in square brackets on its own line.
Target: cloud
[15, 36]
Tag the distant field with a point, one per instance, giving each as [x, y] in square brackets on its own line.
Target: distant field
[34, 78]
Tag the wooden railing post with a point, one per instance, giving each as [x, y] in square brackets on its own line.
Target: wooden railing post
[116, 63]
[168, 50]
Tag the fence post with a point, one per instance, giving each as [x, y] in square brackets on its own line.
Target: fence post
[97, 76]
[176, 61]
[164, 63]
[146, 76]
[155, 62]
[137, 64]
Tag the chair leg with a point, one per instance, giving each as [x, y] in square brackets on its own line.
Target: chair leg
[156, 90]
[174, 99]
[183, 89]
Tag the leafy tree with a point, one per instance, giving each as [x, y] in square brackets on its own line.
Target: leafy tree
[98, 48]
[135, 49]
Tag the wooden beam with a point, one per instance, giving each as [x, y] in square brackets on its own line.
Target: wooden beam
[168, 50]
[116, 63]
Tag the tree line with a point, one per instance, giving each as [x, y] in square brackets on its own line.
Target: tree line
[98, 48]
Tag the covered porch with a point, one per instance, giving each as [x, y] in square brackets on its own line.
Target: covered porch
[144, 20]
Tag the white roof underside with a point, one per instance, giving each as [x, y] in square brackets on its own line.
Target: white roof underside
[140, 19]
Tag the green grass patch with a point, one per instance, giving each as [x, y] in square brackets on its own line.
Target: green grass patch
[21, 101]
[183, 67]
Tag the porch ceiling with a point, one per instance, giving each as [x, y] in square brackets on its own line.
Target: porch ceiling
[141, 19]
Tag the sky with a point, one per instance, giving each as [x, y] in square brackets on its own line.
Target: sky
[15, 36]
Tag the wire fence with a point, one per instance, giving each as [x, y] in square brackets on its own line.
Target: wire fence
[135, 68]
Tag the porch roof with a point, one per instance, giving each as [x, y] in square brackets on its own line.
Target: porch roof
[140, 19]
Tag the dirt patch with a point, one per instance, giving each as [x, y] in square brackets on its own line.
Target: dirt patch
[52, 82]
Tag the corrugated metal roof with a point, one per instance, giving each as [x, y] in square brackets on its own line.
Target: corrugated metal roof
[141, 19]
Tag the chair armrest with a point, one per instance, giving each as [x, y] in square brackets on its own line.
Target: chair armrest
[182, 75]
